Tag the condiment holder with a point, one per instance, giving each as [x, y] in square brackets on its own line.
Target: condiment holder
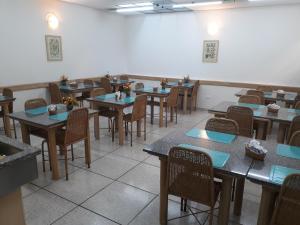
[115, 79]
[118, 95]
[180, 82]
[254, 150]
[273, 108]
[280, 94]
[52, 109]
[155, 89]
[73, 84]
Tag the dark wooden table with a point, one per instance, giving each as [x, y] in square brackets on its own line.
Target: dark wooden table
[186, 88]
[236, 168]
[161, 94]
[4, 103]
[260, 174]
[78, 88]
[45, 122]
[110, 101]
[283, 117]
[119, 83]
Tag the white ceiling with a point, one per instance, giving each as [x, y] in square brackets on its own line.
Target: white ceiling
[110, 4]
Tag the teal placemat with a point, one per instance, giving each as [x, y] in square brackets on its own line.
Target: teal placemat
[2, 97]
[172, 83]
[257, 113]
[127, 100]
[166, 91]
[211, 135]
[295, 111]
[37, 111]
[60, 116]
[188, 84]
[279, 173]
[219, 159]
[291, 117]
[104, 97]
[268, 94]
[288, 151]
[252, 106]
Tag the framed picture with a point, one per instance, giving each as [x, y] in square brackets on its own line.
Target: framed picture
[54, 48]
[210, 51]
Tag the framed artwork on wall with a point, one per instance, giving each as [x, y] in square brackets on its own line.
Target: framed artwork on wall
[210, 51]
[54, 48]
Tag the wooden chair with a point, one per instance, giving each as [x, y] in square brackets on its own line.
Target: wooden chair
[295, 139]
[191, 177]
[288, 204]
[124, 77]
[295, 126]
[105, 83]
[265, 88]
[171, 103]
[139, 86]
[9, 93]
[222, 125]
[138, 114]
[55, 94]
[77, 129]
[86, 94]
[250, 99]
[244, 118]
[297, 105]
[259, 94]
[192, 96]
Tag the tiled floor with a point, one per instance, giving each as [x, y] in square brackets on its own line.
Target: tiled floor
[121, 187]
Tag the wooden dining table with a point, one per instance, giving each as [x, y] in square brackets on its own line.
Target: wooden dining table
[283, 117]
[4, 103]
[269, 174]
[116, 84]
[40, 118]
[236, 167]
[78, 88]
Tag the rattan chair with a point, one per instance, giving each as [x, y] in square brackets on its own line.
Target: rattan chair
[77, 129]
[244, 117]
[250, 99]
[105, 83]
[55, 94]
[9, 93]
[191, 177]
[295, 126]
[295, 139]
[171, 103]
[124, 77]
[86, 94]
[139, 86]
[259, 94]
[297, 105]
[138, 113]
[288, 204]
[222, 125]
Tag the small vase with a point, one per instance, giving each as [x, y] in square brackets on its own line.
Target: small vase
[69, 107]
[163, 87]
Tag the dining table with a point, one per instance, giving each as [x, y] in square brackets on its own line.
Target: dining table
[40, 118]
[116, 84]
[4, 103]
[75, 88]
[118, 104]
[280, 161]
[153, 93]
[283, 117]
[236, 167]
[186, 88]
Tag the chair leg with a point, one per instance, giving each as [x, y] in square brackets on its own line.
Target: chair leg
[72, 152]
[176, 108]
[181, 204]
[211, 216]
[145, 128]
[66, 162]
[49, 157]
[191, 105]
[233, 190]
[113, 130]
[185, 204]
[166, 116]
[131, 130]
[15, 131]
[43, 155]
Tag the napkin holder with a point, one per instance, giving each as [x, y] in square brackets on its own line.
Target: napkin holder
[254, 155]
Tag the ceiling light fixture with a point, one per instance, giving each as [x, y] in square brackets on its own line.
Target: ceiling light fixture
[141, 4]
[187, 5]
[135, 9]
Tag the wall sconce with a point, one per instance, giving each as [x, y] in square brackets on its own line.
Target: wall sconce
[53, 21]
[212, 28]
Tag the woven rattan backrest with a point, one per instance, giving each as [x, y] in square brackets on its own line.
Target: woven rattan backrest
[251, 99]
[88, 82]
[139, 86]
[295, 139]
[258, 93]
[190, 175]
[77, 126]
[9, 93]
[195, 88]
[139, 108]
[55, 95]
[244, 117]
[124, 77]
[172, 99]
[105, 83]
[297, 105]
[222, 125]
[265, 88]
[297, 99]
[295, 126]
[35, 103]
[288, 204]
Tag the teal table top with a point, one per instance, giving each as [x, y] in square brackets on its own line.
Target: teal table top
[211, 135]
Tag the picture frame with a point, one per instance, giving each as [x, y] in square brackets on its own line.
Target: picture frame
[210, 51]
[54, 48]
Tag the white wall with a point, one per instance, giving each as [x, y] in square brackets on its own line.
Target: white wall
[257, 45]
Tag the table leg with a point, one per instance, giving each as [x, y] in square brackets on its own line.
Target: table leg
[224, 208]
[120, 126]
[267, 203]
[138, 126]
[185, 100]
[161, 112]
[163, 210]
[239, 193]
[25, 133]
[281, 133]
[52, 152]
[87, 149]
[152, 109]
[6, 120]
[172, 114]
[96, 127]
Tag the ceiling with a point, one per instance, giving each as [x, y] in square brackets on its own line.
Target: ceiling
[112, 4]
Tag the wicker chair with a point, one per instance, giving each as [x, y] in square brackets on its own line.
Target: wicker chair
[191, 177]
[77, 129]
[265, 88]
[139, 113]
[172, 103]
[55, 94]
[259, 94]
[9, 93]
[124, 77]
[192, 96]
[295, 139]
[105, 83]
[86, 94]
[222, 125]
[139, 86]
[295, 126]
[288, 204]
[244, 117]
[297, 105]
[250, 99]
